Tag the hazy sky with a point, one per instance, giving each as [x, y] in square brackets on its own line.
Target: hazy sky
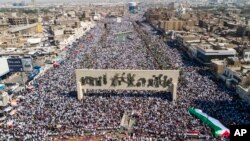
[52, 1]
[92, 1]
[87, 1]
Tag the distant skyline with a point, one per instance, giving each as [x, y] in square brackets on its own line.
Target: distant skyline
[90, 1]
[61, 1]
[80, 1]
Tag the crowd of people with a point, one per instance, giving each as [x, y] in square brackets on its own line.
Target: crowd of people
[52, 109]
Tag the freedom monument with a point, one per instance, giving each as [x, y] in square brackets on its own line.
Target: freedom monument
[158, 80]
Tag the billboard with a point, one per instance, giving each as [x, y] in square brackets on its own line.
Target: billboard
[27, 64]
[15, 64]
[4, 66]
[159, 80]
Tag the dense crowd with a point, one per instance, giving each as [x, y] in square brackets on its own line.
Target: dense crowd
[52, 109]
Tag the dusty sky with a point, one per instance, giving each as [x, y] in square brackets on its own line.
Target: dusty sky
[53, 1]
[93, 1]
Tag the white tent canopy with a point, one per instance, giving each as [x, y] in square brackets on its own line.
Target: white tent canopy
[34, 40]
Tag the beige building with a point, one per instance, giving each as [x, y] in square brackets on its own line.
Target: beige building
[217, 67]
[176, 25]
[233, 74]
[17, 36]
[24, 29]
[189, 43]
[71, 22]
[21, 20]
[231, 71]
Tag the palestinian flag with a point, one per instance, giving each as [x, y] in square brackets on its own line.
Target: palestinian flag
[217, 127]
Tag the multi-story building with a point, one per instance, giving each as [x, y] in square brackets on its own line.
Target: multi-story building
[204, 49]
[234, 75]
[21, 20]
[175, 25]
[229, 70]
[206, 53]
[71, 22]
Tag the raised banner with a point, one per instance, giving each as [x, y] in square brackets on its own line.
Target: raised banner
[159, 80]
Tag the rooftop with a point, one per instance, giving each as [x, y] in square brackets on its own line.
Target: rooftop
[20, 28]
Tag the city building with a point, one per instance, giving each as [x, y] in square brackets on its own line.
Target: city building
[217, 67]
[231, 71]
[24, 29]
[188, 43]
[175, 25]
[207, 52]
[71, 22]
[21, 20]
